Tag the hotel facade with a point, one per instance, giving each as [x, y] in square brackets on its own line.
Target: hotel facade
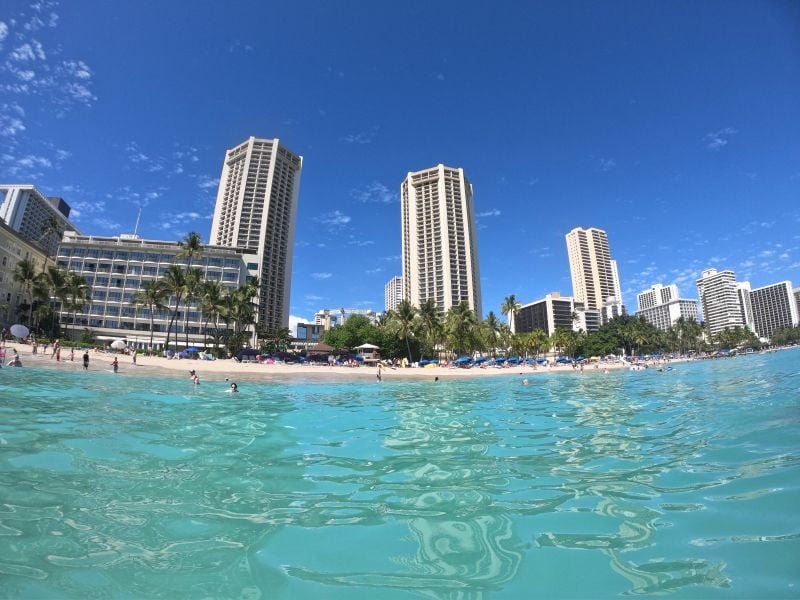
[595, 277]
[774, 307]
[439, 245]
[555, 311]
[725, 302]
[116, 268]
[661, 307]
[256, 211]
[13, 249]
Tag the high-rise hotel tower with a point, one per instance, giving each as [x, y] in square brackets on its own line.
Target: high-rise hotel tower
[594, 275]
[440, 251]
[257, 210]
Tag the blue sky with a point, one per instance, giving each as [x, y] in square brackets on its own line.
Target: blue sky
[674, 126]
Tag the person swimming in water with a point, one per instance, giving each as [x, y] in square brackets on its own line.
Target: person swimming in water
[234, 388]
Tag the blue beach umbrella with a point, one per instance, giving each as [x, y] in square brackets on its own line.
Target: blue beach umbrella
[192, 349]
[462, 360]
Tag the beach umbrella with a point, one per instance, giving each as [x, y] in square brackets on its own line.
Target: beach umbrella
[19, 331]
[247, 352]
[118, 344]
[192, 349]
[462, 360]
[480, 359]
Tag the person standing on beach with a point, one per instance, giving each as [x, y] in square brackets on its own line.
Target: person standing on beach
[56, 348]
[379, 373]
[86, 360]
[72, 354]
[115, 365]
[133, 355]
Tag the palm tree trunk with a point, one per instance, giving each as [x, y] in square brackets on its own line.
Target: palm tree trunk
[151, 329]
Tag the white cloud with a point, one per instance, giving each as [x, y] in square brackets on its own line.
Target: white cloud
[373, 271]
[11, 119]
[719, 139]
[3, 31]
[334, 219]
[322, 275]
[294, 320]
[82, 207]
[362, 137]
[103, 223]
[494, 212]
[207, 183]
[376, 192]
[313, 297]
[606, 164]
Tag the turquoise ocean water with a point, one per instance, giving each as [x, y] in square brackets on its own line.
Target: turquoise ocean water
[684, 483]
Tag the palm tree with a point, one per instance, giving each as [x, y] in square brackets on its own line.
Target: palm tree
[56, 282]
[77, 290]
[403, 323]
[194, 280]
[152, 295]
[539, 339]
[460, 325]
[51, 227]
[491, 328]
[212, 295]
[430, 324]
[191, 245]
[174, 282]
[25, 276]
[510, 307]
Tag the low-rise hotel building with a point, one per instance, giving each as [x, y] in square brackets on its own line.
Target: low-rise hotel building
[774, 307]
[117, 267]
[555, 311]
[13, 249]
[661, 307]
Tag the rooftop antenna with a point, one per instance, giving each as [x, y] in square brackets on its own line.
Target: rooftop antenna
[139, 216]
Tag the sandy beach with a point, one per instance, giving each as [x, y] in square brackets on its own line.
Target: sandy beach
[219, 370]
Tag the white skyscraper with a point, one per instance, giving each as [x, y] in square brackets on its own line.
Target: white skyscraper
[27, 211]
[725, 302]
[257, 210]
[594, 275]
[440, 251]
[393, 293]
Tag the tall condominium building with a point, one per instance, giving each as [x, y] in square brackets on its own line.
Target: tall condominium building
[439, 249]
[27, 211]
[256, 210]
[117, 267]
[555, 311]
[661, 306]
[393, 293]
[13, 249]
[594, 275]
[774, 307]
[725, 303]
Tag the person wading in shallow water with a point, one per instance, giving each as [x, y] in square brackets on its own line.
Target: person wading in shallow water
[86, 360]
